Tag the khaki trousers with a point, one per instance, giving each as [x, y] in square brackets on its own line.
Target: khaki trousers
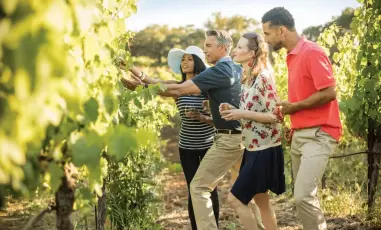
[310, 151]
[226, 153]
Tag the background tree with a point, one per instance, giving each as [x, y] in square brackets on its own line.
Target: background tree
[155, 41]
[236, 25]
[343, 22]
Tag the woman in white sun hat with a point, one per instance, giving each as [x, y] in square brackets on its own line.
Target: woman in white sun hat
[197, 132]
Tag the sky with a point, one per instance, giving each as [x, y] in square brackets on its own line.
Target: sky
[196, 12]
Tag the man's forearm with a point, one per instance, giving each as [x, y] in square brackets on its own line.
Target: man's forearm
[317, 99]
[169, 93]
[172, 90]
[146, 79]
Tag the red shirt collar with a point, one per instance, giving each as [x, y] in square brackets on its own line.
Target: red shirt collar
[298, 47]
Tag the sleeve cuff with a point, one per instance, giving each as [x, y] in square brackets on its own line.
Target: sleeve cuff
[199, 85]
[326, 85]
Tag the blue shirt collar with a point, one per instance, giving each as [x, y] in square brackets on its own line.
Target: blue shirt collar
[224, 59]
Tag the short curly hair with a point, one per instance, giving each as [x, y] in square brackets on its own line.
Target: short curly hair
[279, 16]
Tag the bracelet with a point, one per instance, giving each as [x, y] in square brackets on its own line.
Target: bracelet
[141, 74]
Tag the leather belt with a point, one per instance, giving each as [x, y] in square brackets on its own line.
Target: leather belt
[228, 131]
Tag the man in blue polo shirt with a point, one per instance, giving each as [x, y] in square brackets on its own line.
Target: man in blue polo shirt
[221, 83]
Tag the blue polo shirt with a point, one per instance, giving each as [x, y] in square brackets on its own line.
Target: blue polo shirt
[222, 84]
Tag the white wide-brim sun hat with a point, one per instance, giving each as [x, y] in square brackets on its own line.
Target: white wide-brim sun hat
[175, 56]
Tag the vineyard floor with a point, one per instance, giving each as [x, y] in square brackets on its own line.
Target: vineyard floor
[175, 215]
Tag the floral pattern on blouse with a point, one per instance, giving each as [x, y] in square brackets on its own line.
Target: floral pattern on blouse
[260, 97]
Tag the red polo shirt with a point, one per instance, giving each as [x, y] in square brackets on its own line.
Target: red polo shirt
[310, 70]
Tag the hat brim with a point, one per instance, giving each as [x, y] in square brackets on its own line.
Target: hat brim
[174, 59]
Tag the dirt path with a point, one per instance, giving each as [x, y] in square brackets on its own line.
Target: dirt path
[176, 215]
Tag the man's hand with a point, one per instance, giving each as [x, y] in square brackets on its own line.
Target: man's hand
[288, 107]
[130, 84]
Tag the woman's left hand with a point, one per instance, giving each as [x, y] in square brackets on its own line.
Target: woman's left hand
[233, 114]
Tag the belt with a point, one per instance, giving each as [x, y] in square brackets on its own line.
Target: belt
[228, 131]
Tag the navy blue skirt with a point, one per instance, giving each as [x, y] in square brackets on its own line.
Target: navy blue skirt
[260, 171]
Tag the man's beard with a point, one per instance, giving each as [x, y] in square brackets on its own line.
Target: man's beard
[277, 46]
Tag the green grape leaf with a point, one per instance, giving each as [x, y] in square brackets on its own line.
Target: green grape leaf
[86, 193]
[121, 140]
[87, 149]
[91, 46]
[95, 174]
[110, 103]
[56, 174]
[138, 103]
[144, 137]
[91, 110]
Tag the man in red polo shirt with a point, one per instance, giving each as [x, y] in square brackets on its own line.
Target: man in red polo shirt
[313, 110]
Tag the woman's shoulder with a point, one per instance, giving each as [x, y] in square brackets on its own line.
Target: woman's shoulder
[266, 76]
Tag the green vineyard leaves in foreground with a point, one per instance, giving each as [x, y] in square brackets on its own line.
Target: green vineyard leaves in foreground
[61, 101]
[357, 67]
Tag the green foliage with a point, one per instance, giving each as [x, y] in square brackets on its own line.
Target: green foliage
[175, 168]
[357, 66]
[133, 191]
[357, 70]
[343, 21]
[343, 202]
[61, 102]
[135, 162]
[134, 195]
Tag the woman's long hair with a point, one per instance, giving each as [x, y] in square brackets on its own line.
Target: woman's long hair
[260, 60]
[199, 66]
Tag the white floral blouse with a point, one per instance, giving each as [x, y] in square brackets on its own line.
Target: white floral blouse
[260, 97]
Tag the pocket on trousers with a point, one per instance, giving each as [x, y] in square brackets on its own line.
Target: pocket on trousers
[229, 142]
[321, 135]
[326, 141]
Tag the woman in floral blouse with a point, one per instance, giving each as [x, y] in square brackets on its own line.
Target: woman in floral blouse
[262, 168]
